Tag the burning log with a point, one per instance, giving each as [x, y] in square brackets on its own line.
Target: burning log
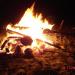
[26, 40]
[20, 27]
[8, 30]
[45, 31]
[3, 45]
[54, 45]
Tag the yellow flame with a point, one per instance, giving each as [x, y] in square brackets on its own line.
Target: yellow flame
[35, 26]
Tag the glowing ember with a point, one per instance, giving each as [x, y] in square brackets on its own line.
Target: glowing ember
[31, 26]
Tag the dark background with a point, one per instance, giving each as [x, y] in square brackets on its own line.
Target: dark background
[55, 11]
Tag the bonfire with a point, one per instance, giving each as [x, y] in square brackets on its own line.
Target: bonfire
[34, 38]
[29, 32]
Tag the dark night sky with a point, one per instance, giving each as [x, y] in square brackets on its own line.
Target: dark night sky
[12, 10]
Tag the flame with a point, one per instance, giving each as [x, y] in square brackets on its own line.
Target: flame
[35, 26]
[34, 23]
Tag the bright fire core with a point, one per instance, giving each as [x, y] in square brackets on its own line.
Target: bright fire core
[32, 26]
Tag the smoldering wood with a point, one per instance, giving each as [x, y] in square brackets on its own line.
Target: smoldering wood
[40, 39]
